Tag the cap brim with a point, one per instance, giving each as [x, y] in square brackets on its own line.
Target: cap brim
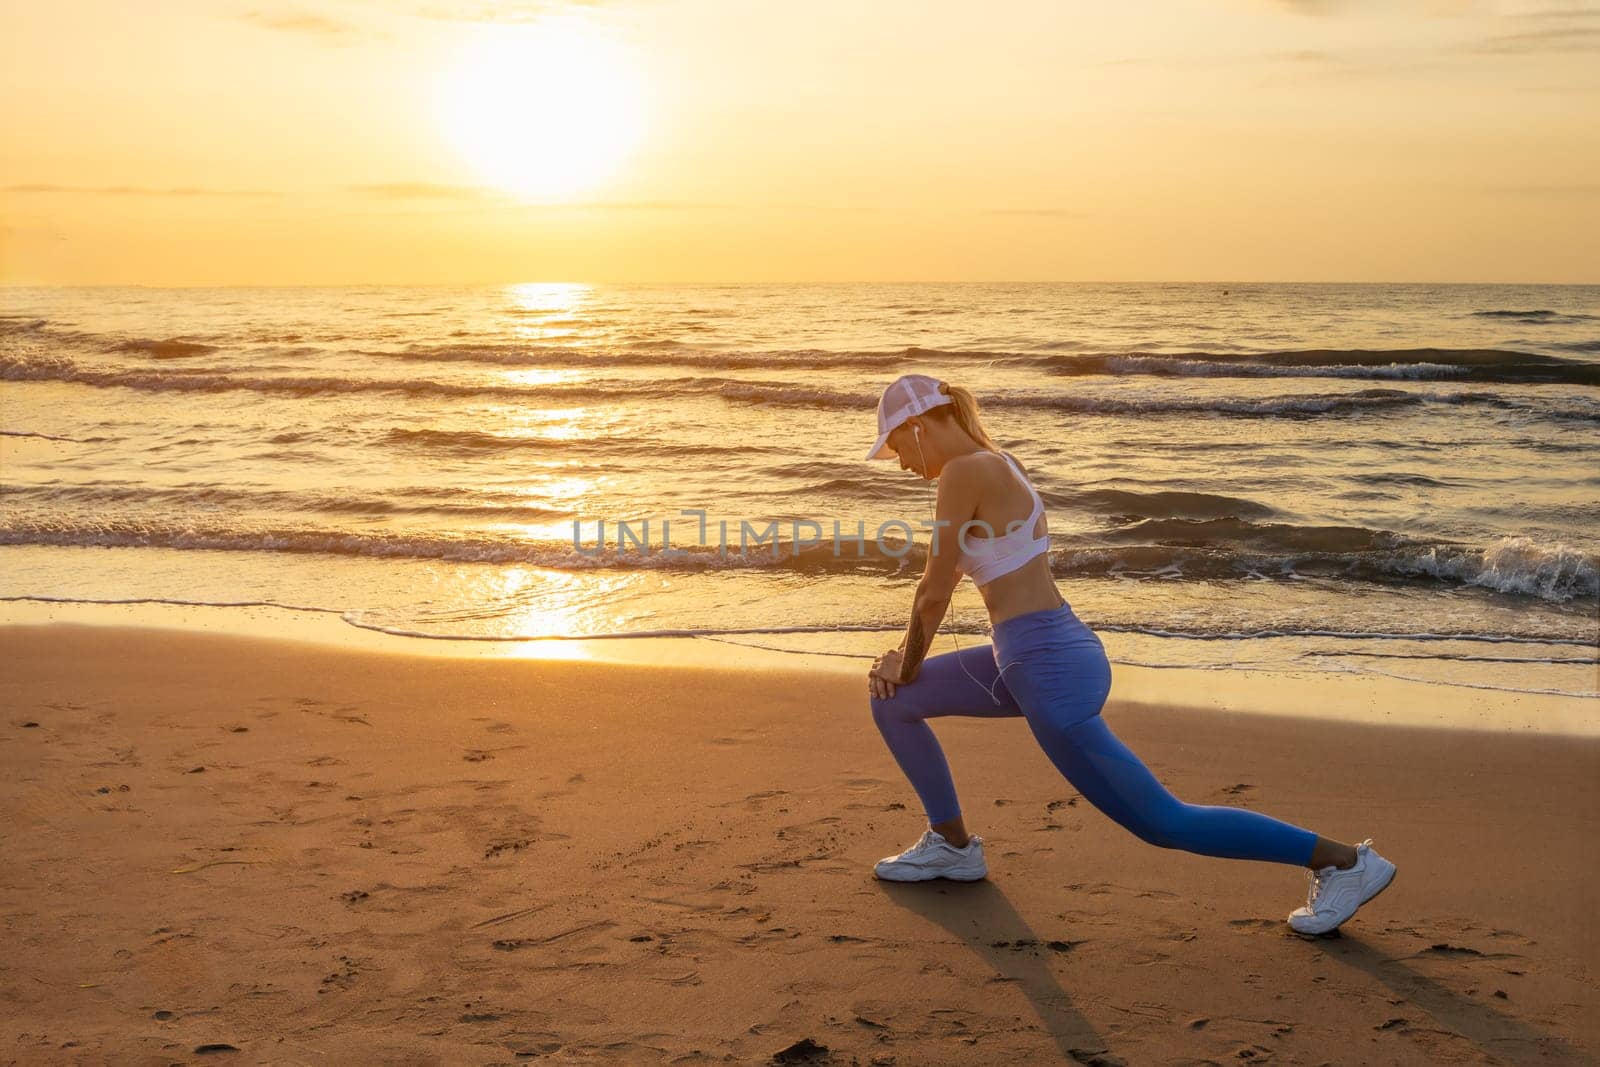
[881, 449]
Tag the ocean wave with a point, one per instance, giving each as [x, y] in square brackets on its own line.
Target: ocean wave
[1400, 478]
[52, 437]
[171, 349]
[478, 442]
[1164, 366]
[1537, 315]
[219, 380]
[649, 354]
[1461, 657]
[1169, 504]
[1477, 365]
[757, 552]
[1270, 537]
[1517, 565]
[784, 394]
[470, 442]
[478, 503]
[1375, 400]
[1186, 630]
[1215, 549]
[1060, 356]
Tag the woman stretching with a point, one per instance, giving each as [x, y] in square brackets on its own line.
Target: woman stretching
[1044, 665]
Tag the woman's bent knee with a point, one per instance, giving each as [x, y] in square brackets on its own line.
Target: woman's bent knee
[886, 711]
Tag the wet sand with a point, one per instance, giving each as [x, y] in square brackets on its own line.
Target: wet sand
[321, 855]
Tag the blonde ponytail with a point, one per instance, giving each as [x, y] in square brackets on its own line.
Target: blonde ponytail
[965, 411]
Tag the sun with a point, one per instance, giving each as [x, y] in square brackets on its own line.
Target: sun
[543, 111]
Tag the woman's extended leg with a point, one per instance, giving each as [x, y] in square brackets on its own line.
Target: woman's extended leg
[1061, 689]
[942, 687]
[1117, 782]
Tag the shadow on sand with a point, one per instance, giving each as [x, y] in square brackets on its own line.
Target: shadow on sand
[1495, 1033]
[979, 914]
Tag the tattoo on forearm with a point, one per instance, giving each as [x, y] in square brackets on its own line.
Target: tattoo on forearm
[915, 648]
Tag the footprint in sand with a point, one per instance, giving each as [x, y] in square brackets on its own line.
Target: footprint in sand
[343, 978]
[1107, 889]
[516, 845]
[1464, 953]
[1033, 943]
[755, 801]
[526, 1049]
[742, 735]
[1238, 794]
[495, 726]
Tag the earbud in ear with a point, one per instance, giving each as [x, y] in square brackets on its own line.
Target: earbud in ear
[916, 431]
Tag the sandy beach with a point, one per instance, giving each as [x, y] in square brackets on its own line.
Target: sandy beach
[268, 851]
[460, 461]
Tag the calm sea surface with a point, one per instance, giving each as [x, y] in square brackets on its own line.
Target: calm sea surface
[1390, 479]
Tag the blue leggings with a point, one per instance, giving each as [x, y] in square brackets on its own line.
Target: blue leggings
[1050, 668]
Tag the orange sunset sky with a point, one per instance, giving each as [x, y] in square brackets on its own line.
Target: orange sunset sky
[209, 142]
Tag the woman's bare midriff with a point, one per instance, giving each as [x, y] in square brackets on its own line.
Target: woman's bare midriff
[1030, 587]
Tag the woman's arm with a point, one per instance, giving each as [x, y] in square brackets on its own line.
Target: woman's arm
[957, 503]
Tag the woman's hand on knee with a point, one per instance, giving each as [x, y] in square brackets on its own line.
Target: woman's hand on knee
[885, 674]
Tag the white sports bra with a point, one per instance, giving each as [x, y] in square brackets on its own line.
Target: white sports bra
[987, 558]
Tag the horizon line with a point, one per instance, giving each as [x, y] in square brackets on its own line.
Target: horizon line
[725, 283]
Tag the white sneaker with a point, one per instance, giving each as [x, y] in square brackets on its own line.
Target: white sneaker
[934, 857]
[1336, 894]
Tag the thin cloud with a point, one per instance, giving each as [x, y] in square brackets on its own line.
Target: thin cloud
[1304, 56]
[1331, 8]
[1308, 56]
[307, 24]
[1285, 68]
[131, 190]
[1294, 70]
[489, 201]
[425, 191]
[1579, 189]
[510, 11]
[1559, 13]
[1313, 7]
[1560, 40]
[651, 205]
[1038, 212]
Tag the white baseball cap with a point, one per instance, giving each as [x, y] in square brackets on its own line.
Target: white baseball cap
[907, 395]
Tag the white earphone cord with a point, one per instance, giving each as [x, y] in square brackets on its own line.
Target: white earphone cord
[916, 435]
